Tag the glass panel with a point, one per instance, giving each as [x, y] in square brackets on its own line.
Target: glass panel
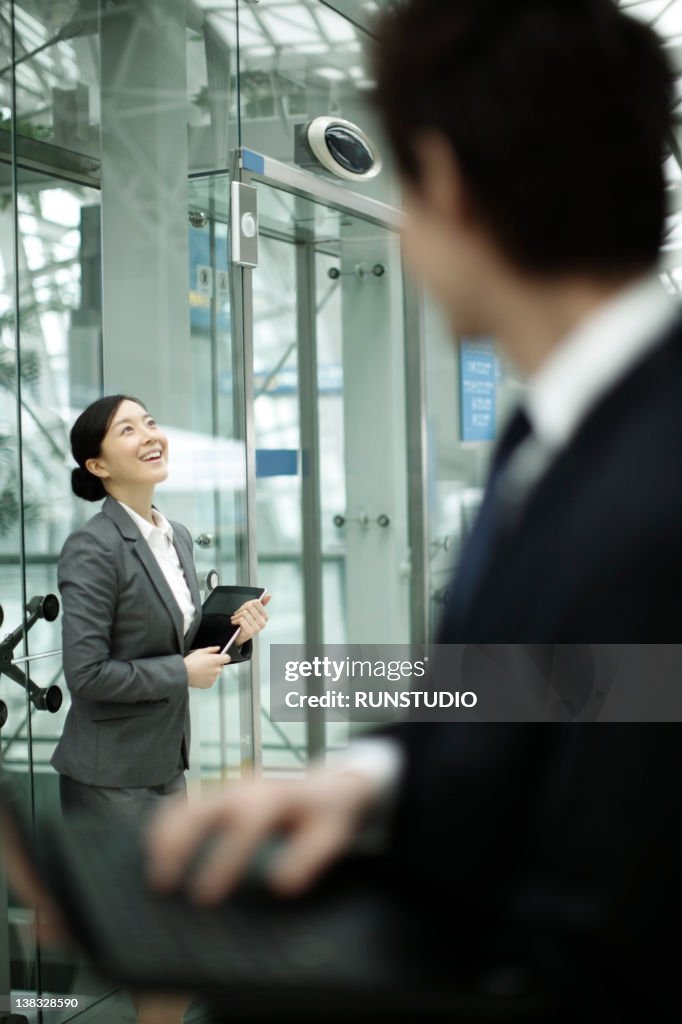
[457, 469]
[215, 469]
[17, 942]
[57, 85]
[60, 309]
[51, 366]
[338, 277]
[60, 359]
[332, 462]
[278, 485]
[180, 362]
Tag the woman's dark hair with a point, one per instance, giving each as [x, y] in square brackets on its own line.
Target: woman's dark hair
[558, 112]
[87, 435]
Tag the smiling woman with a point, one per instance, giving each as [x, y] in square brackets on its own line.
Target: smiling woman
[131, 609]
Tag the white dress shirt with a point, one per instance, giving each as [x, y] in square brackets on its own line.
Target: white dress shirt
[590, 360]
[160, 540]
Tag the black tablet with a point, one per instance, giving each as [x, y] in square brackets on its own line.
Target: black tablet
[216, 629]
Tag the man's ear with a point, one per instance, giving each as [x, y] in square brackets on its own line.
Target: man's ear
[441, 185]
[97, 468]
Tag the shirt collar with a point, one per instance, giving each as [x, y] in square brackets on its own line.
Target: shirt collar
[594, 356]
[145, 527]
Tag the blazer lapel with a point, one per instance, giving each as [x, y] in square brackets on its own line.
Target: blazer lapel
[129, 530]
[146, 556]
[188, 568]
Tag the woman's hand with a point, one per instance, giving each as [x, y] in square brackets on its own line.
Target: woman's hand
[204, 665]
[251, 618]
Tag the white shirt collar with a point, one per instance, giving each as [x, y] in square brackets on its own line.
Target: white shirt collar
[594, 356]
[145, 527]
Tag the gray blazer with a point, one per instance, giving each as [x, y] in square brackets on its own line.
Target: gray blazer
[123, 648]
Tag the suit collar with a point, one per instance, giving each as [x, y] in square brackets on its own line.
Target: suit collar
[187, 562]
[595, 356]
[144, 526]
[120, 517]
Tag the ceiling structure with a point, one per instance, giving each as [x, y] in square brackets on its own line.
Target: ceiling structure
[284, 46]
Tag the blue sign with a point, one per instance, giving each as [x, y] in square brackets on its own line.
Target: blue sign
[276, 462]
[209, 281]
[478, 382]
[253, 161]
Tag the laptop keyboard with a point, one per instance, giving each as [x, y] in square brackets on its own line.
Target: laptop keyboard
[249, 938]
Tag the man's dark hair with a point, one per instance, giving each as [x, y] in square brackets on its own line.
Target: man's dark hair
[557, 111]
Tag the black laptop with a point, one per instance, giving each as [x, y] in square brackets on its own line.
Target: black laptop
[364, 938]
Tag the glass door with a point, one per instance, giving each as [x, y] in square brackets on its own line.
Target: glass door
[329, 415]
[212, 486]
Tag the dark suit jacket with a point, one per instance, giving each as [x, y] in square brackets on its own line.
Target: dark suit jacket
[570, 835]
[123, 647]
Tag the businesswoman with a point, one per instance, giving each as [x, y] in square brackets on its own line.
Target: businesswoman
[131, 608]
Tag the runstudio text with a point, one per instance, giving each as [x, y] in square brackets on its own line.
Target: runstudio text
[382, 699]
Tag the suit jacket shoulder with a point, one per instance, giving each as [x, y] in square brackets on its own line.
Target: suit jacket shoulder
[595, 554]
[99, 530]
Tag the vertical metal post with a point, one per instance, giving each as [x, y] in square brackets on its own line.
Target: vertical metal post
[16, 300]
[417, 464]
[244, 428]
[310, 476]
[5, 975]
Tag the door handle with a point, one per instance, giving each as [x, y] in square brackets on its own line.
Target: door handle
[204, 540]
[208, 580]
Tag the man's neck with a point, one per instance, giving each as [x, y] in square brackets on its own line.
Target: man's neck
[534, 317]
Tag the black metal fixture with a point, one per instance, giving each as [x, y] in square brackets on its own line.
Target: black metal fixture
[360, 270]
[198, 218]
[43, 699]
[364, 520]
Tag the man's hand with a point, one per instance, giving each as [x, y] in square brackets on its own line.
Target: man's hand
[320, 816]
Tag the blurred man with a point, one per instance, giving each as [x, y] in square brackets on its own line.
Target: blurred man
[529, 135]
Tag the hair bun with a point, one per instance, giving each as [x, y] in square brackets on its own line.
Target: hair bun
[87, 486]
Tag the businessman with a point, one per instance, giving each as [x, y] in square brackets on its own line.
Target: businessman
[530, 138]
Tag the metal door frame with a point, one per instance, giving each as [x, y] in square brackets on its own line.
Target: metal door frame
[252, 168]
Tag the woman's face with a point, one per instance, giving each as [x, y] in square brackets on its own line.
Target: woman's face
[134, 449]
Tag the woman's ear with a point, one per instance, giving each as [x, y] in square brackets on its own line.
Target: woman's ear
[97, 468]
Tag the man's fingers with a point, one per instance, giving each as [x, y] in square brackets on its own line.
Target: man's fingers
[311, 849]
[232, 824]
[229, 857]
[319, 818]
[176, 832]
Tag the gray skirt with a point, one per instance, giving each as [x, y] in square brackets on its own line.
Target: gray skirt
[131, 803]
